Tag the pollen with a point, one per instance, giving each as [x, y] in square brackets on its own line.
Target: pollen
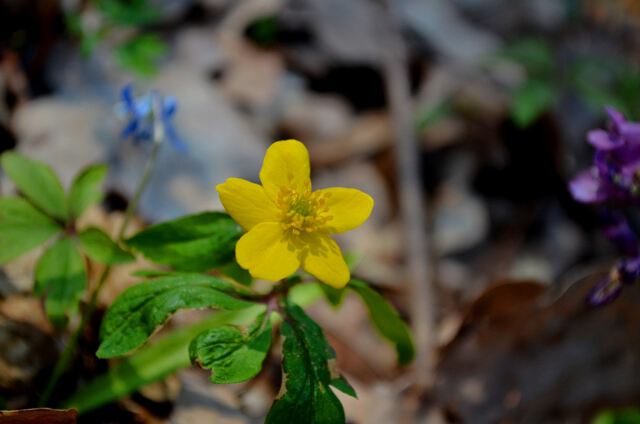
[302, 211]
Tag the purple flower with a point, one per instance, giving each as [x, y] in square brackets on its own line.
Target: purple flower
[586, 187]
[609, 288]
[605, 291]
[144, 112]
[619, 132]
[618, 230]
[629, 270]
[615, 174]
[614, 178]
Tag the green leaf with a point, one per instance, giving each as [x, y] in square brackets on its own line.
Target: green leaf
[234, 356]
[530, 100]
[154, 362]
[129, 12]
[343, 385]
[22, 228]
[37, 182]
[151, 273]
[236, 272]
[435, 114]
[305, 294]
[73, 23]
[141, 54]
[192, 243]
[535, 55]
[386, 320]
[232, 286]
[99, 247]
[141, 309]
[620, 416]
[308, 368]
[62, 278]
[263, 31]
[334, 296]
[85, 189]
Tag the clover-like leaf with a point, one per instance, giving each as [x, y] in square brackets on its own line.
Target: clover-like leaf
[99, 247]
[61, 276]
[141, 309]
[233, 356]
[386, 320]
[37, 182]
[192, 243]
[85, 189]
[22, 227]
[309, 371]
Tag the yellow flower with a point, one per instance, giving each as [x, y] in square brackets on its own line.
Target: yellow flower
[288, 224]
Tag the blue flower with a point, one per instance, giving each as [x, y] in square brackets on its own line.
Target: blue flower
[141, 118]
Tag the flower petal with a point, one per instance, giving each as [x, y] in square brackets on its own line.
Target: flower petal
[629, 270]
[605, 291]
[246, 202]
[586, 188]
[615, 117]
[127, 98]
[322, 258]
[601, 140]
[266, 252]
[169, 106]
[174, 139]
[630, 131]
[144, 105]
[618, 230]
[348, 208]
[129, 129]
[286, 164]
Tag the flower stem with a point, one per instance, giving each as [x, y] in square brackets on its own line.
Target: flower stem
[142, 185]
[70, 349]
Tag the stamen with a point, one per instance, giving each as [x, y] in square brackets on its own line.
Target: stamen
[303, 211]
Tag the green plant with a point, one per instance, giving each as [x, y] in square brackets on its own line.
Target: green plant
[196, 269]
[98, 20]
[597, 80]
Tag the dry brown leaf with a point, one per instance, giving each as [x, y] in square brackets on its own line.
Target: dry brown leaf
[39, 416]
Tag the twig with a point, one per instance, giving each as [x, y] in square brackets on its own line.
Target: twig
[412, 208]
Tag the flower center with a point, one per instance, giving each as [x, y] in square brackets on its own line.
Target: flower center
[302, 211]
[302, 206]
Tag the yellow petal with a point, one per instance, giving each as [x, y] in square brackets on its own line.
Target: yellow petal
[246, 202]
[323, 259]
[265, 252]
[286, 165]
[348, 208]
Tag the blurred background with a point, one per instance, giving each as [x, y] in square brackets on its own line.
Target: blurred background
[491, 99]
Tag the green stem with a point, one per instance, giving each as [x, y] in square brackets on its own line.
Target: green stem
[142, 185]
[70, 349]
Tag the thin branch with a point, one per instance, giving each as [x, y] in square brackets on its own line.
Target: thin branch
[412, 208]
